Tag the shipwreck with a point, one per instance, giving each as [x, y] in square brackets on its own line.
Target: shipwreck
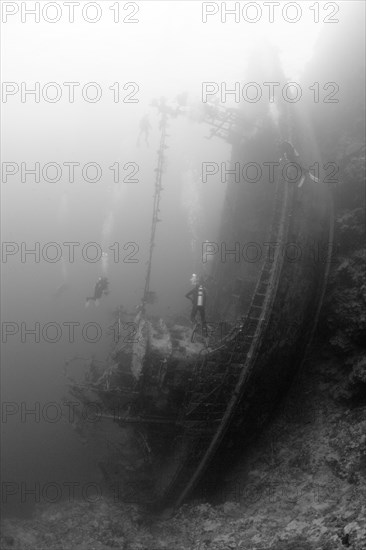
[169, 397]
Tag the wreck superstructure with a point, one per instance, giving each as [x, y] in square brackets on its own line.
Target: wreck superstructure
[175, 400]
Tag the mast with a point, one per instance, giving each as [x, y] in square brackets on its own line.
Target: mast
[157, 196]
[222, 120]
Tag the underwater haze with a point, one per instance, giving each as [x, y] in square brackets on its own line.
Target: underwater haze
[78, 181]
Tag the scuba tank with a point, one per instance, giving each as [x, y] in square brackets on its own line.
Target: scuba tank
[200, 296]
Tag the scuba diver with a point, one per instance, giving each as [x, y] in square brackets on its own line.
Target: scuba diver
[289, 154]
[198, 298]
[101, 288]
[145, 128]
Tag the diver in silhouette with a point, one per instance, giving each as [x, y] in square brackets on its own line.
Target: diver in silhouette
[289, 154]
[198, 298]
[145, 128]
[101, 288]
